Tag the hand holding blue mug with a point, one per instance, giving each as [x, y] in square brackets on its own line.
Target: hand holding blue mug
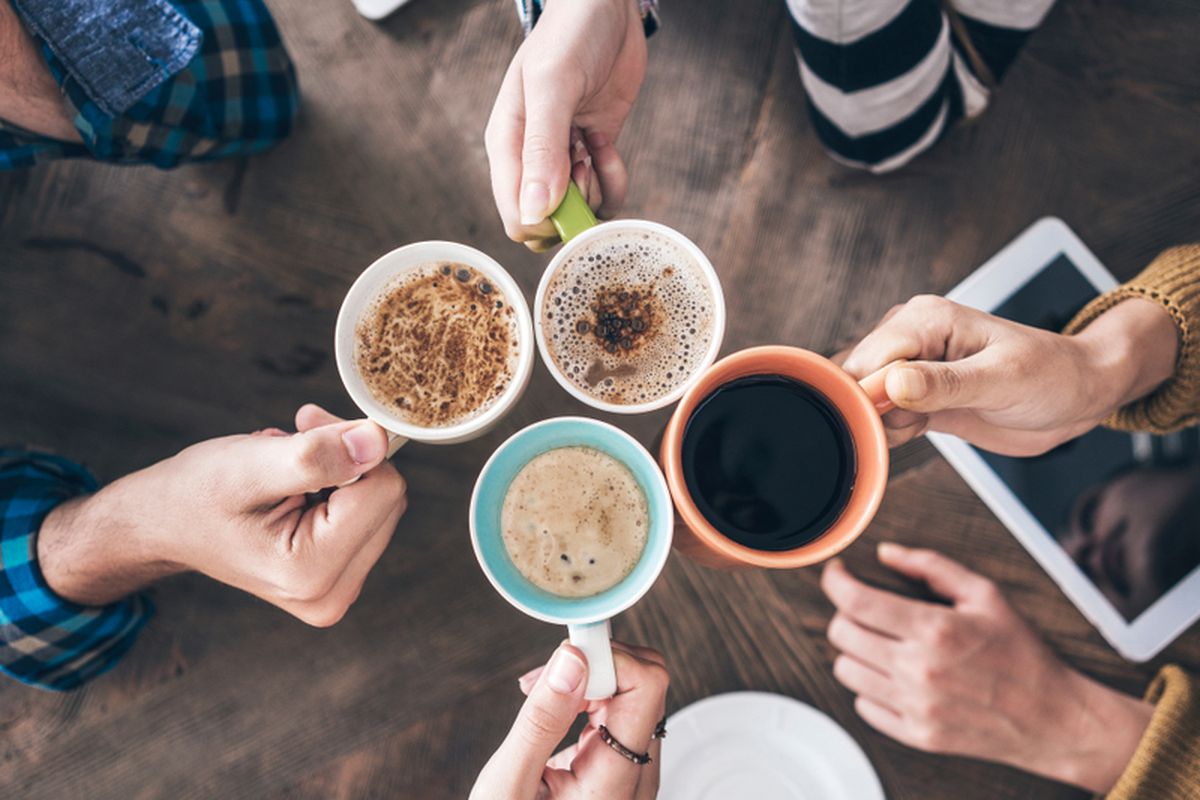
[526, 765]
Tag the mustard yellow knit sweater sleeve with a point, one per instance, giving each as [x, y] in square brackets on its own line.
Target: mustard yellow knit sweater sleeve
[1173, 280]
[1166, 764]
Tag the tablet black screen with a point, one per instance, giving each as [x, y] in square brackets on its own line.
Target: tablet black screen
[1125, 508]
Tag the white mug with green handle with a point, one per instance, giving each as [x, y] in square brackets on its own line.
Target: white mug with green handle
[579, 228]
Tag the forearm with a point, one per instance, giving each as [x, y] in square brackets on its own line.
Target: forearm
[29, 97]
[1133, 348]
[91, 552]
[1172, 285]
[1102, 729]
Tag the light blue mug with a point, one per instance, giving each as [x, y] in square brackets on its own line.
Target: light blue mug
[586, 618]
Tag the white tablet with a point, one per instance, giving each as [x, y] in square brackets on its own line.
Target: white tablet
[1113, 517]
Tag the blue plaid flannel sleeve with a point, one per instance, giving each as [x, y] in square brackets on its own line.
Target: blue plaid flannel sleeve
[45, 640]
[530, 10]
[236, 95]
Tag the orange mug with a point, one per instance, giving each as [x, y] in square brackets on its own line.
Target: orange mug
[860, 405]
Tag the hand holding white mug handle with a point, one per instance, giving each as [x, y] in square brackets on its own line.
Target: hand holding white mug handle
[526, 767]
[239, 509]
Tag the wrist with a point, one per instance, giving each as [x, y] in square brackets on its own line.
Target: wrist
[1129, 351]
[92, 550]
[1101, 732]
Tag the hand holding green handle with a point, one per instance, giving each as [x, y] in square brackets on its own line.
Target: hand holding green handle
[573, 215]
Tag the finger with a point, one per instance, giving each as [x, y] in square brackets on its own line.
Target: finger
[648, 779]
[899, 419]
[881, 718]
[337, 542]
[329, 609]
[556, 783]
[863, 644]
[630, 716]
[357, 510]
[585, 178]
[276, 467]
[550, 105]
[271, 432]
[864, 680]
[944, 576]
[517, 766]
[922, 328]
[969, 426]
[563, 758]
[610, 172]
[899, 436]
[503, 139]
[877, 609]
[644, 653]
[929, 386]
[311, 415]
[526, 682]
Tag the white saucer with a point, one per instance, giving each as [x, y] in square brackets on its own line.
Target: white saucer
[377, 9]
[762, 746]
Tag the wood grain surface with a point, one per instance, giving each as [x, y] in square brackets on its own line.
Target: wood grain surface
[141, 311]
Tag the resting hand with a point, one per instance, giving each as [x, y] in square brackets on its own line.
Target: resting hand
[235, 509]
[971, 678]
[579, 71]
[1012, 388]
[524, 767]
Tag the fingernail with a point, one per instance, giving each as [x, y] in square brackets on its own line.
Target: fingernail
[889, 549]
[564, 672]
[910, 384]
[363, 443]
[534, 199]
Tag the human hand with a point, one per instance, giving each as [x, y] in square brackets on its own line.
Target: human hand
[236, 509]
[524, 767]
[972, 678]
[581, 68]
[1012, 388]
[29, 96]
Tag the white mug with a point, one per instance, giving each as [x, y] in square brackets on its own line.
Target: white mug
[376, 279]
[573, 243]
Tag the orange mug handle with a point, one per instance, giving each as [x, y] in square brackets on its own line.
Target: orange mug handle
[873, 385]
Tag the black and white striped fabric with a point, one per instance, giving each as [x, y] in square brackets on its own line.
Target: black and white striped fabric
[885, 79]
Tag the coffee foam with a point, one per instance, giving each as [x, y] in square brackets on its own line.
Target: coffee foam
[574, 521]
[673, 306]
[438, 345]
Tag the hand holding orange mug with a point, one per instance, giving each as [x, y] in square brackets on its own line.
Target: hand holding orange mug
[775, 457]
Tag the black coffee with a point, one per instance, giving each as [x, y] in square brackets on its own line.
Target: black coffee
[768, 461]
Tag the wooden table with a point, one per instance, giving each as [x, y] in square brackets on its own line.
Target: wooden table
[141, 311]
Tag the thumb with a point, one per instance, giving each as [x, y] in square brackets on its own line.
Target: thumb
[545, 152]
[931, 386]
[319, 458]
[552, 706]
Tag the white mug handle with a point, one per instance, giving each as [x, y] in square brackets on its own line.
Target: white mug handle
[594, 640]
[395, 442]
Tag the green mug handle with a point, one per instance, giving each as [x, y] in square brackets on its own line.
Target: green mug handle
[573, 215]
